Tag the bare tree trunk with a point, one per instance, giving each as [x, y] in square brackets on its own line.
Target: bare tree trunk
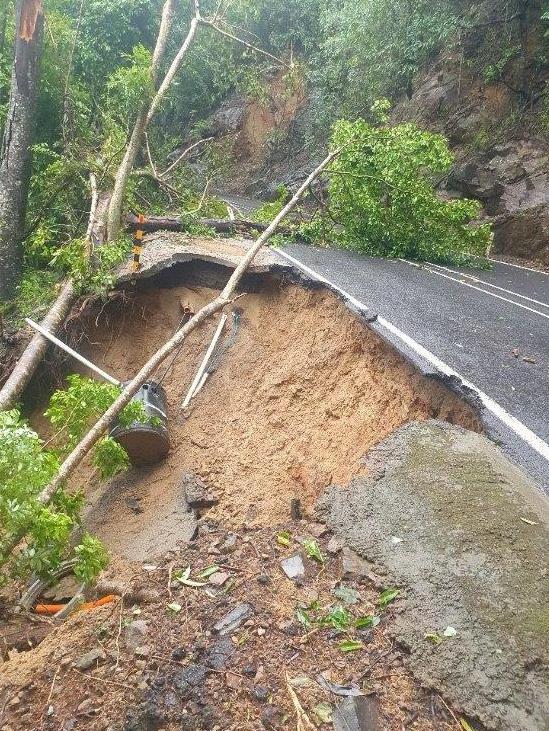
[95, 433]
[134, 145]
[15, 155]
[34, 352]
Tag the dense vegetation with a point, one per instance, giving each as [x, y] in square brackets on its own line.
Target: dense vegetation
[95, 74]
[27, 465]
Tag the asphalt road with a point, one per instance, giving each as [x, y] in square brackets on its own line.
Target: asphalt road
[491, 327]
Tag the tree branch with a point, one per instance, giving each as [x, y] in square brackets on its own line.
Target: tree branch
[95, 433]
[212, 24]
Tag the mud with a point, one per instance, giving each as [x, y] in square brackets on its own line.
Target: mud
[295, 405]
[466, 536]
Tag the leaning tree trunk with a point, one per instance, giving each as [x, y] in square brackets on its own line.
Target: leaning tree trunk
[15, 155]
[138, 133]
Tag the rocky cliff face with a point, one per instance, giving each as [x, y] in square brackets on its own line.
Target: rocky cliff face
[502, 157]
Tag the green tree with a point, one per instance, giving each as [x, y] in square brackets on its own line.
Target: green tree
[383, 198]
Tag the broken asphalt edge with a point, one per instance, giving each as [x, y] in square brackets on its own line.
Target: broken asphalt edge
[517, 451]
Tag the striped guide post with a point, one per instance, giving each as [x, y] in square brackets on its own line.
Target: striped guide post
[138, 243]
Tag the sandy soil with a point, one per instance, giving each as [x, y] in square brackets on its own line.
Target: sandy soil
[295, 405]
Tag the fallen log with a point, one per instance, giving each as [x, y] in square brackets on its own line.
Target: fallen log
[178, 223]
[36, 348]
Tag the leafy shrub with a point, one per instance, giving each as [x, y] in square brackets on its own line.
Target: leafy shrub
[382, 194]
[26, 467]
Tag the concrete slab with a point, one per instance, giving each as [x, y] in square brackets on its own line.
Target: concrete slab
[165, 249]
[466, 535]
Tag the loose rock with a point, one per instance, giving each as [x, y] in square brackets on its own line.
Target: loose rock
[360, 713]
[197, 494]
[233, 619]
[90, 658]
[189, 678]
[135, 634]
[220, 653]
[293, 567]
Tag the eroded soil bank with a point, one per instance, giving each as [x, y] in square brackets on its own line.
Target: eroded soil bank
[296, 403]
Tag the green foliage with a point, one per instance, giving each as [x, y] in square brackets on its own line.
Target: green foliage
[268, 211]
[35, 293]
[94, 275]
[382, 194]
[91, 558]
[74, 409]
[26, 467]
[126, 90]
[110, 458]
[371, 49]
[494, 72]
[71, 411]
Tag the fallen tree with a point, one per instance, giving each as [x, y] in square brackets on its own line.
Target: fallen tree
[34, 352]
[78, 454]
[108, 219]
[95, 236]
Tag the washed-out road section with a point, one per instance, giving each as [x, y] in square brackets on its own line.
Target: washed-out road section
[491, 328]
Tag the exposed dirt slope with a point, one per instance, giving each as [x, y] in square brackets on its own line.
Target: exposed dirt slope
[294, 407]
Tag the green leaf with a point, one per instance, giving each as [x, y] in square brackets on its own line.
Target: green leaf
[184, 578]
[347, 594]
[465, 726]
[366, 622]
[174, 607]
[433, 637]
[351, 645]
[284, 538]
[313, 551]
[387, 596]
[338, 618]
[208, 571]
[303, 617]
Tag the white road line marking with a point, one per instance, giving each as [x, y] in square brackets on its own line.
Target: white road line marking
[519, 266]
[489, 284]
[516, 426]
[472, 286]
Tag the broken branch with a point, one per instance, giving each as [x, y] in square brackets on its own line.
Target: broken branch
[212, 24]
[224, 298]
[34, 352]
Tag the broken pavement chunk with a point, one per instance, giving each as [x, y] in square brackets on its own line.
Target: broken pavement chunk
[293, 567]
[197, 494]
[360, 713]
[233, 619]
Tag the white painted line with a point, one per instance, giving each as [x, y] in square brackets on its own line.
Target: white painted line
[516, 426]
[519, 266]
[489, 284]
[472, 286]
